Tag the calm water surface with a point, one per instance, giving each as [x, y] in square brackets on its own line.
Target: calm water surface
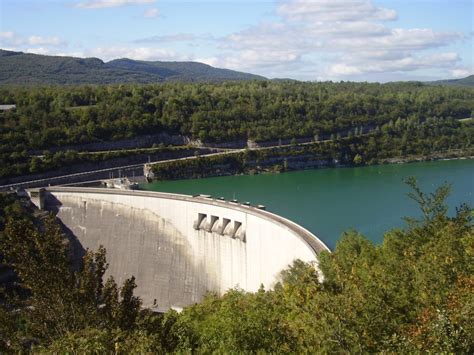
[370, 199]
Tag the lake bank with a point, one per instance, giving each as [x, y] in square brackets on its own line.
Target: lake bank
[370, 149]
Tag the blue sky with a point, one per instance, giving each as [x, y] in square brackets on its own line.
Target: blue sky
[363, 40]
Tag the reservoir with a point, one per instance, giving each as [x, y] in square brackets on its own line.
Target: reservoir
[371, 200]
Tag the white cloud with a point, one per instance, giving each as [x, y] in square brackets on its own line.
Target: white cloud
[140, 53]
[334, 10]
[7, 35]
[52, 51]
[151, 13]
[400, 39]
[253, 59]
[344, 69]
[460, 72]
[272, 64]
[44, 41]
[212, 61]
[13, 39]
[347, 29]
[176, 37]
[335, 39]
[102, 4]
[268, 38]
[402, 64]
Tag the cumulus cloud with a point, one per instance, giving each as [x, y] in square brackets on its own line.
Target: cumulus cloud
[7, 35]
[102, 4]
[402, 63]
[176, 37]
[140, 53]
[334, 10]
[44, 41]
[399, 39]
[352, 29]
[460, 72]
[349, 37]
[151, 13]
[53, 51]
[13, 39]
[253, 59]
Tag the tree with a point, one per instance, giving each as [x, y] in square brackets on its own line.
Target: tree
[60, 300]
[357, 159]
[129, 306]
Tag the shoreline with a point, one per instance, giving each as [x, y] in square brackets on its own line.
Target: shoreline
[255, 170]
[387, 161]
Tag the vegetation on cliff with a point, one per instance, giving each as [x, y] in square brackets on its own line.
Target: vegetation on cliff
[413, 293]
[48, 117]
[49, 161]
[399, 141]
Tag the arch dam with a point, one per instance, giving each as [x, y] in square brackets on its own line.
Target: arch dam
[179, 247]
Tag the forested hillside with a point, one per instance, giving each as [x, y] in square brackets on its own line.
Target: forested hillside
[414, 293]
[18, 68]
[431, 140]
[52, 116]
[467, 81]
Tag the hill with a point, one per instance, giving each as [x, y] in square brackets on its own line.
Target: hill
[27, 68]
[467, 81]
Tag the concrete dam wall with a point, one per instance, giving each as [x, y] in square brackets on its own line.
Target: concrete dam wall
[180, 247]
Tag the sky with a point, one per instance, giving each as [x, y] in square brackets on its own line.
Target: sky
[311, 40]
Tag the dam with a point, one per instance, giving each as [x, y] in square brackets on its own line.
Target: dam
[180, 247]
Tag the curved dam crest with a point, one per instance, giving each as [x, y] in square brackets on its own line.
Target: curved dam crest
[180, 247]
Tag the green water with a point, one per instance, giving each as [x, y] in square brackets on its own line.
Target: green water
[370, 199]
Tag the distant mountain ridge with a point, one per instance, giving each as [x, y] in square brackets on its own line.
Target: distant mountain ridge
[27, 68]
[467, 81]
[18, 68]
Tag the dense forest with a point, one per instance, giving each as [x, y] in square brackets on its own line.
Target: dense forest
[402, 141]
[51, 116]
[414, 293]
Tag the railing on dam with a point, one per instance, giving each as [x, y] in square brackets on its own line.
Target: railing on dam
[233, 229]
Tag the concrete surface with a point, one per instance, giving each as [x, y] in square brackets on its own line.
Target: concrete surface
[180, 247]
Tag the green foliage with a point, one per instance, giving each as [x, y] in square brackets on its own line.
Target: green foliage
[412, 294]
[357, 159]
[101, 341]
[431, 205]
[407, 118]
[51, 161]
[59, 301]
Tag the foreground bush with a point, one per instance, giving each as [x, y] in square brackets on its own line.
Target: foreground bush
[414, 293]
